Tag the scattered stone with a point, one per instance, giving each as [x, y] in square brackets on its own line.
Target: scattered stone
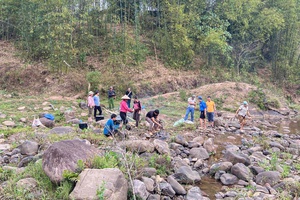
[271, 177]
[148, 172]
[154, 197]
[166, 189]
[47, 122]
[179, 190]
[64, 155]
[228, 179]
[4, 147]
[149, 183]
[224, 166]
[161, 146]
[9, 123]
[14, 169]
[47, 108]
[235, 157]
[181, 140]
[140, 189]
[90, 180]
[23, 120]
[199, 153]
[61, 130]
[139, 146]
[241, 171]
[209, 145]
[84, 114]
[2, 116]
[27, 183]
[21, 108]
[186, 175]
[194, 194]
[29, 148]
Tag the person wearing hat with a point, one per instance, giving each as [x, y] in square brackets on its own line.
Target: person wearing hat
[152, 119]
[210, 110]
[202, 108]
[111, 96]
[90, 104]
[241, 114]
[124, 108]
[190, 108]
[97, 104]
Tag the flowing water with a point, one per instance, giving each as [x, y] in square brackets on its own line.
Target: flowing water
[289, 126]
[208, 184]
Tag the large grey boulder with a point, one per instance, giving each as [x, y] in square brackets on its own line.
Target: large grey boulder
[199, 153]
[91, 180]
[161, 146]
[194, 194]
[138, 146]
[64, 155]
[242, 172]
[140, 189]
[235, 157]
[186, 175]
[29, 148]
[271, 177]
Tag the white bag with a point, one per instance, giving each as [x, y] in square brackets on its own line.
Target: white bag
[36, 122]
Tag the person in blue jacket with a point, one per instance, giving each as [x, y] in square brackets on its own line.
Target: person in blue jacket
[111, 127]
[202, 108]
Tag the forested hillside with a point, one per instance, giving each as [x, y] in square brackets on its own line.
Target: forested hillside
[240, 36]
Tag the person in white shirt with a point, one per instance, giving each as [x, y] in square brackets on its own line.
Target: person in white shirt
[190, 108]
[241, 114]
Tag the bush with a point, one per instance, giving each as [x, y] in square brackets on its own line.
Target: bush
[94, 79]
[162, 164]
[109, 160]
[258, 97]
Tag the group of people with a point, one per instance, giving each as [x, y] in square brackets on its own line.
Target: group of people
[208, 109]
[112, 125]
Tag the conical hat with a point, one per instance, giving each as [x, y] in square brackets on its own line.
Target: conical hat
[125, 97]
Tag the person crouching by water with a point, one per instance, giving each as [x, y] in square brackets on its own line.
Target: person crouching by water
[152, 119]
[111, 127]
[137, 110]
[124, 108]
[91, 105]
[241, 114]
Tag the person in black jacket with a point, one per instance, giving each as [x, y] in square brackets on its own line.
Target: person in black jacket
[152, 119]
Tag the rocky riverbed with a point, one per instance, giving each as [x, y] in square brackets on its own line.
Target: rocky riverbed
[182, 162]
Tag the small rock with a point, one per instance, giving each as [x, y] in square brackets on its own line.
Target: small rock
[228, 179]
[27, 184]
[194, 194]
[29, 148]
[21, 108]
[4, 147]
[140, 189]
[9, 123]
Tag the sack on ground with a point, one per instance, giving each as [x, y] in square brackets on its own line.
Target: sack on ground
[49, 116]
[179, 122]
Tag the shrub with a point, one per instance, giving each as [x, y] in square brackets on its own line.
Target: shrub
[258, 97]
[94, 78]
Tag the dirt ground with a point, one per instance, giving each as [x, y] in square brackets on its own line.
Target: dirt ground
[19, 76]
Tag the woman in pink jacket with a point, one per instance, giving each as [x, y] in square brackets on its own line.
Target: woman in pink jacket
[91, 105]
[124, 108]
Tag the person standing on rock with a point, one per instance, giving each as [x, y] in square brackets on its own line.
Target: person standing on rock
[137, 110]
[91, 105]
[129, 94]
[190, 108]
[210, 111]
[241, 114]
[152, 119]
[111, 97]
[124, 109]
[202, 108]
[97, 104]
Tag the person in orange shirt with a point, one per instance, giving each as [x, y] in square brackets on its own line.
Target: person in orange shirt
[210, 110]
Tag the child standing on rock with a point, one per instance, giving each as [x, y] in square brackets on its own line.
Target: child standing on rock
[241, 114]
[137, 110]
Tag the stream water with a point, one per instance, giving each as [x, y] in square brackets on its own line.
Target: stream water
[208, 184]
